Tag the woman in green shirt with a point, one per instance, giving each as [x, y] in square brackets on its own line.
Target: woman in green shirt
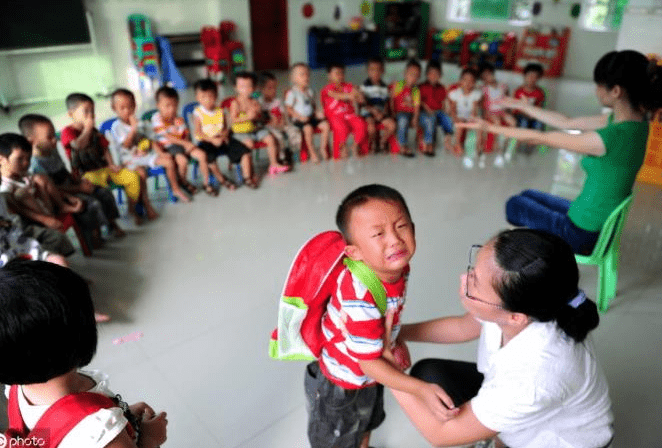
[614, 145]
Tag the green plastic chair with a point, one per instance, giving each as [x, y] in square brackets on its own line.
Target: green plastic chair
[606, 254]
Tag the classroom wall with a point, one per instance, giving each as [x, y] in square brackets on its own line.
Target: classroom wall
[584, 49]
[641, 29]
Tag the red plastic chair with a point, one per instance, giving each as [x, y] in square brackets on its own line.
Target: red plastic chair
[217, 56]
[68, 222]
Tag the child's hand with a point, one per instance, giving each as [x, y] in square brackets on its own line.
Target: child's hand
[73, 205]
[189, 146]
[401, 355]
[88, 123]
[52, 223]
[511, 103]
[414, 123]
[133, 121]
[153, 429]
[217, 141]
[86, 186]
[438, 401]
[114, 168]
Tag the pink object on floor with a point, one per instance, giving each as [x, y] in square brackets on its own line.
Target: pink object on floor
[136, 335]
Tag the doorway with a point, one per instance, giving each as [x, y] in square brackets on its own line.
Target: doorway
[269, 34]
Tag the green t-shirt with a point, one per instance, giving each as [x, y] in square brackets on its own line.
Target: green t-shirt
[609, 178]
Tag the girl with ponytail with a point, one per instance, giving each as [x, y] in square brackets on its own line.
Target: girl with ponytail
[613, 144]
[536, 383]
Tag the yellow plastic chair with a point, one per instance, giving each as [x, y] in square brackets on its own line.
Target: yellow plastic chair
[606, 254]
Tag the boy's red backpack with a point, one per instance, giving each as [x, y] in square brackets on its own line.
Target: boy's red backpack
[57, 421]
[308, 288]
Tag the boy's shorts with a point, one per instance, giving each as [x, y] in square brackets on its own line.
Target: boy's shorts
[256, 136]
[312, 120]
[175, 149]
[234, 149]
[338, 417]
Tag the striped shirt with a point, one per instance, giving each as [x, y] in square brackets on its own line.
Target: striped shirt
[354, 329]
[177, 128]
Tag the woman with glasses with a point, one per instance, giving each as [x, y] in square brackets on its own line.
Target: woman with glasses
[613, 146]
[536, 383]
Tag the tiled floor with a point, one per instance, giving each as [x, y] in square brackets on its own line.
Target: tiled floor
[202, 284]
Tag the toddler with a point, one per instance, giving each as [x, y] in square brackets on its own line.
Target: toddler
[245, 112]
[338, 98]
[493, 92]
[274, 118]
[376, 107]
[214, 136]
[345, 386]
[532, 93]
[48, 331]
[89, 153]
[406, 104]
[46, 160]
[301, 108]
[465, 101]
[134, 150]
[433, 101]
[172, 134]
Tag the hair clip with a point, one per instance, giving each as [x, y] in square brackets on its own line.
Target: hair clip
[578, 299]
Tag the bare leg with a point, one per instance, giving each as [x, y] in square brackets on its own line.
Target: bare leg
[372, 133]
[166, 161]
[201, 156]
[308, 137]
[272, 152]
[324, 139]
[366, 440]
[144, 194]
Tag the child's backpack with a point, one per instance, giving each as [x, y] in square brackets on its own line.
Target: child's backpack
[308, 288]
[56, 422]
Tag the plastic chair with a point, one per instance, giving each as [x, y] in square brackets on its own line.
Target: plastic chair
[68, 222]
[606, 254]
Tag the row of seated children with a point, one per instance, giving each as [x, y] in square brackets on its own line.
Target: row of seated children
[391, 110]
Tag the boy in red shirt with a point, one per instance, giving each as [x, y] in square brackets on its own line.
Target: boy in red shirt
[406, 103]
[532, 93]
[433, 101]
[338, 99]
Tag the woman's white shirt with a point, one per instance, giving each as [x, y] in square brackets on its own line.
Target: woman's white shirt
[95, 431]
[542, 390]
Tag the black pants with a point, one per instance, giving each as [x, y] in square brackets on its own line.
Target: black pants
[461, 380]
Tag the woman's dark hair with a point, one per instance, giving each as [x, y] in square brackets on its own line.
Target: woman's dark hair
[362, 195]
[540, 278]
[640, 78]
[47, 325]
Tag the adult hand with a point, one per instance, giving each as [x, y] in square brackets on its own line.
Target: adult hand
[86, 186]
[73, 204]
[474, 123]
[153, 429]
[401, 355]
[438, 401]
[52, 223]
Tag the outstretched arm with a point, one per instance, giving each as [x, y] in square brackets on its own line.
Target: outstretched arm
[588, 143]
[444, 330]
[556, 119]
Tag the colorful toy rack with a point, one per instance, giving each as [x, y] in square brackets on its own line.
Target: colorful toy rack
[472, 47]
[223, 54]
[545, 46]
[402, 27]
[143, 46]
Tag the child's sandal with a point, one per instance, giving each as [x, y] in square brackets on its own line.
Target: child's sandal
[190, 188]
[211, 191]
[226, 183]
[251, 183]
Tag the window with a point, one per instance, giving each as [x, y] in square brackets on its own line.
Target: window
[603, 15]
[517, 12]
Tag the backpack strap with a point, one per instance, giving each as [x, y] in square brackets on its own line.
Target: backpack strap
[370, 280]
[59, 418]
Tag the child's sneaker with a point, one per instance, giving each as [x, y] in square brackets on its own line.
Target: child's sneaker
[467, 162]
[481, 161]
[499, 162]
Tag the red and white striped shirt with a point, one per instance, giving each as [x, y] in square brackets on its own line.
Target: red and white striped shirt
[354, 329]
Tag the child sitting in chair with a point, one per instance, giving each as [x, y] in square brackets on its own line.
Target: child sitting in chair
[245, 112]
[302, 111]
[171, 132]
[376, 109]
[214, 136]
[89, 154]
[338, 98]
[465, 101]
[46, 160]
[406, 104]
[134, 150]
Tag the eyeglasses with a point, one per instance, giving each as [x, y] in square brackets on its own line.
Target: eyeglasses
[470, 269]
